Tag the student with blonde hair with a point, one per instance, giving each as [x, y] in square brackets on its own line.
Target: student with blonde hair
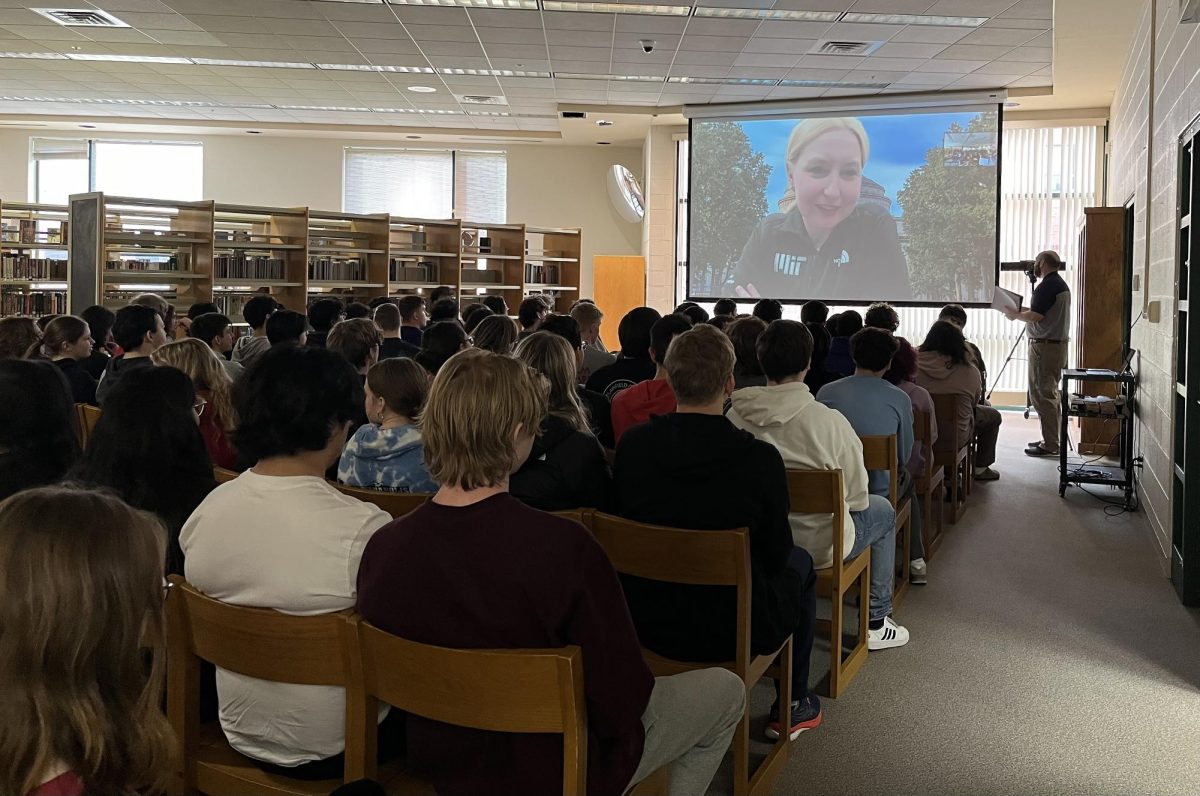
[476, 568]
[496, 333]
[214, 393]
[823, 241]
[82, 652]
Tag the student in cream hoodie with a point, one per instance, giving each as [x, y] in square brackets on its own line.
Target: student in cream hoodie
[811, 436]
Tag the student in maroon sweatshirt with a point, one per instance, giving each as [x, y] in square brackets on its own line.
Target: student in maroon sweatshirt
[474, 568]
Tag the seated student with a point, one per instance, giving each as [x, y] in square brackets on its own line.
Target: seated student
[385, 453]
[442, 340]
[166, 310]
[650, 398]
[83, 685]
[567, 468]
[445, 309]
[725, 306]
[17, 334]
[255, 312]
[811, 436]
[286, 327]
[882, 315]
[814, 312]
[496, 304]
[496, 333]
[693, 312]
[530, 315]
[943, 367]
[387, 321]
[845, 325]
[721, 322]
[194, 311]
[100, 322]
[214, 394]
[817, 377]
[473, 315]
[147, 449]
[595, 356]
[358, 340]
[323, 314]
[356, 309]
[903, 374]
[531, 580]
[216, 331]
[693, 469]
[413, 319]
[875, 407]
[38, 440]
[139, 331]
[279, 536]
[955, 314]
[599, 412]
[633, 365]
[767, 310]
[67, 341]
[438, 293]
[743, 333]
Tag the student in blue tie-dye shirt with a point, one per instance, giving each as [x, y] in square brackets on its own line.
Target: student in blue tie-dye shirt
[386, 453]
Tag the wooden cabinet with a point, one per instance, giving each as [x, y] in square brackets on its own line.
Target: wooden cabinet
[1100, 340]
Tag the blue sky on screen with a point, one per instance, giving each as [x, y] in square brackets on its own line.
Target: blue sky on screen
[898, 147]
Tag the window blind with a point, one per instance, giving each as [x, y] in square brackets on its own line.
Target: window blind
[481, 186]
[411, 182]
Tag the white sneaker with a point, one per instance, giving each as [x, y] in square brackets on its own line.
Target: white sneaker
[890, 635]
[918, 572]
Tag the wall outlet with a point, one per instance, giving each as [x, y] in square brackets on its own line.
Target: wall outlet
[1154, 311]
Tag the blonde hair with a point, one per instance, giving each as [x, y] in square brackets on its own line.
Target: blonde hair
[810, 130]
[699, 364]
[475, 404]
[81, 600]
[552, 356]
[197, 359]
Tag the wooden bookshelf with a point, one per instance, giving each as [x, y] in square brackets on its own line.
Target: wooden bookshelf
[552, 264]
[259, 250]
[34, 259]
[122, 246]
[348, 255]
[493, 257]
[423, 254]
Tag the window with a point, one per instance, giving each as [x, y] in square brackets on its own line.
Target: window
[427, 183]
[145, 169]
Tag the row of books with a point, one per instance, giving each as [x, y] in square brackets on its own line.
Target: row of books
[327, 269]
[14, 302]
[20, 266]
[170, 264]
[239, 266]
[547, 274]
[405, 271]
[231, 304]
[26, 231]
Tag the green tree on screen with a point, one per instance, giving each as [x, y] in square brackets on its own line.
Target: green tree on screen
[949, 209]
[728, 198]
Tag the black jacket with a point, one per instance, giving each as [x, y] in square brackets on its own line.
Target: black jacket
[624, 373]
[599, 412]
[699, 472]
[118, 367]
[83, 386]
[565, 470]
[861, 259]
[394, 347]
[95, 364]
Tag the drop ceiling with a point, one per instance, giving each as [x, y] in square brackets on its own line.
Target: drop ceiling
[346, 62]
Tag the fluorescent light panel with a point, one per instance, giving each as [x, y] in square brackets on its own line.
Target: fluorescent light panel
[35, 56]
[830, 84]
[914, 19]
[528, 5]
[425, 70]
[768, 13]
[616, 8]
[132, 59]
[261, 64]
[627, 78]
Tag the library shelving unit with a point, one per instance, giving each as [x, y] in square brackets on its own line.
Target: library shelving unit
[122, 246]
[34, 263]
[348, 255]
[423, 254]
[493, 262]
[259, 250]
[552, 264]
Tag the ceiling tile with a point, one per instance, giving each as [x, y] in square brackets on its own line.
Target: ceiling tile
[845, 62]
[909, 50]
[1010, 37]
[1031, 9]
[969, 8]
[728, 44]
[508, 18]
[930, 34]
[426, 15]
[644, 25]
[511, 35]
[1032, 81]
[456, 48]
[796, 47]
[804, 73]
[422, 33]
[705, 58]
[580, 38]
[758, 71]
[197, 38]
[306, 44]
[517, 51]
[702, 26]
[561, 20]
[1043, 54]
[772, 60]
[950, 66]
[1013, 22]
[456, 62]
[815, 5]
[580, 53]
[226, 24]
[891, 6]
[372, 30]
[892, 64]
[43, 32]
[1006, 67]
[983, 81]
[642, 60]
[926, 81]
[791, 30]
[845, 31]
[974, 52]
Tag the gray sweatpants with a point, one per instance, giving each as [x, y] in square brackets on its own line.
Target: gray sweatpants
[689, 723]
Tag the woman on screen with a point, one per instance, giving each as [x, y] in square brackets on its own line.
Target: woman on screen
[825, 244]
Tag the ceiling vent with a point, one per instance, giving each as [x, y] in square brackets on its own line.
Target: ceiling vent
[836, 47]
[480, 99]
[81, 18]
[574, 115]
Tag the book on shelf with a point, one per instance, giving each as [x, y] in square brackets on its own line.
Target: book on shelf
[170, 264]
[240, 266]
[26, 231]
[424, 272]
[19, 302]
[541, 274]
[20, 266]
[328, 269]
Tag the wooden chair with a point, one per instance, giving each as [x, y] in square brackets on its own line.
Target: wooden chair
[821, 492]
[395, 503]
[223, 476]
[88, 417]
[952, 453]
[309, 650]
[527, 691]
[717, 558]
[880, 453]
[581, 516]
[929, 484]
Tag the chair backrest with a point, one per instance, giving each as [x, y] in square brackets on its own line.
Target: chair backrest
[519, 691]
[395, 503]
[923, 436]
[223, 476]
[88, 417]
[581, 516]
[820, 492]
[672, 555]
[879, 453]
[947, 407]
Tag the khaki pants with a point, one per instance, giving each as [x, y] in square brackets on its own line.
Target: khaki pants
[1046, 362]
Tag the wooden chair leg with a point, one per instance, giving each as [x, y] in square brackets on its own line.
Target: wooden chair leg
[741, 752]
[836, 618]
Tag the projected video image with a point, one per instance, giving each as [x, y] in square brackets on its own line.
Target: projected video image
[897, 207]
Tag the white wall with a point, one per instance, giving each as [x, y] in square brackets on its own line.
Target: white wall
[548, 185]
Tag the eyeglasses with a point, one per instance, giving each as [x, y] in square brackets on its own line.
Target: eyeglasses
[198, 407]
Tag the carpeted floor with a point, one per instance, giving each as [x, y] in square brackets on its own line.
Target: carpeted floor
[1049, 655]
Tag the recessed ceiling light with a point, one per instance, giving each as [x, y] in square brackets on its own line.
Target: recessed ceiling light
[35, 56]
[422, 89]
[768, 13]
[375, 68]
[530, 5]
[617, 8]
[604, 123]
[264, 64]
[628, 78]
[132, 59]
[914, 19]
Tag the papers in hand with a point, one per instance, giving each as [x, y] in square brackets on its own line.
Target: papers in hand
[1006, 301]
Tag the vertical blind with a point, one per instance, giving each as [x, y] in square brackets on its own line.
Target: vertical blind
[425, 183]
[481, 186]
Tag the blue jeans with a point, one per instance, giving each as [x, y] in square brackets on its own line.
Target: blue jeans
[875, 526]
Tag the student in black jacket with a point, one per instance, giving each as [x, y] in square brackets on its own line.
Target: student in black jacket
[567, 468]
[67, 341]
[634, 364]
[693, 469]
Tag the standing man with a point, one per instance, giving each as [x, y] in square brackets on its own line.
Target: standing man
[1047, 322]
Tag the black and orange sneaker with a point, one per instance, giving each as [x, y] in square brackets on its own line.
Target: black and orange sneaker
[806, 715]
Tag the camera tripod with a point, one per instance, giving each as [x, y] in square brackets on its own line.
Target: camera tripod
[1012, 351]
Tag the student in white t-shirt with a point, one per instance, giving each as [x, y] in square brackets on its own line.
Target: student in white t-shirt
[279, 536]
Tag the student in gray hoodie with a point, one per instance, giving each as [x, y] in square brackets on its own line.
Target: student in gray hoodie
[386, 453]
